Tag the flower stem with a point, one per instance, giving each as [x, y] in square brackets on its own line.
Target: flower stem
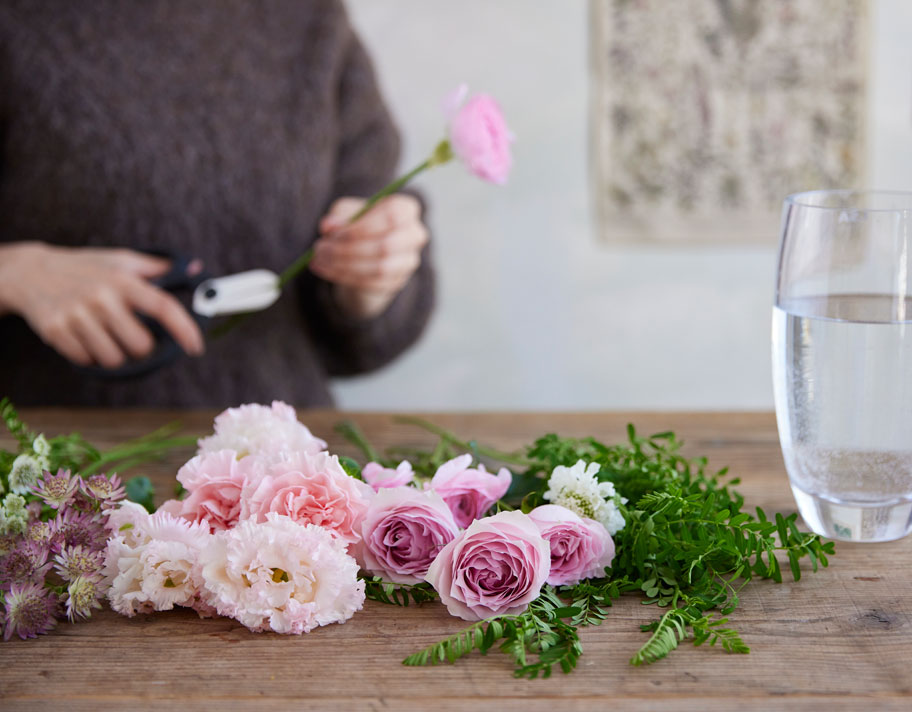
[510, 458]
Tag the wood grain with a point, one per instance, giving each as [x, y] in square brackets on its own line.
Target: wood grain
[839, 639]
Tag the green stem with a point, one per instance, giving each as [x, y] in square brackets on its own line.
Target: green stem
[132, 452]
[349, 430]
[507, 457]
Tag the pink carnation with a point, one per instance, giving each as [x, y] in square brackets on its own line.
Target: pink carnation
[268, 431]
[479, 135]
[495, 567]
[581, 548]
[403, 532]
[311, 489]
[469, 493]
[215, 482]
[378, 476]
[281, 576]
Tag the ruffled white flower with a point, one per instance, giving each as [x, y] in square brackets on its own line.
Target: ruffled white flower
[267, 431]
[24, 474]
[577, 488]
[152, 562]
[280, 575]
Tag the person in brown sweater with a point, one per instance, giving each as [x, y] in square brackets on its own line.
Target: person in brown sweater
[239, 132]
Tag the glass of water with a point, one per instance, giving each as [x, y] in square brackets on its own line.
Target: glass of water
[842, 361]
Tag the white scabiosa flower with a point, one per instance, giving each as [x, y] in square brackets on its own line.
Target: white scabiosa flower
[25, 472]
[577, 488]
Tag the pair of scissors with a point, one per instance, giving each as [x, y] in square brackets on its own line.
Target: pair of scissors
[205, 298]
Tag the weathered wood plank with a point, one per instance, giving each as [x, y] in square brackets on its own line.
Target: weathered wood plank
[840, 639]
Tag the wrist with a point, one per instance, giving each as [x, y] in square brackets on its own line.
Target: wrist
[361, 304]
[14, 260]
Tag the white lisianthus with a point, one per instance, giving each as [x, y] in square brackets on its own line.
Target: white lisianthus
[577, 488]
[25, 472]
[270, 432]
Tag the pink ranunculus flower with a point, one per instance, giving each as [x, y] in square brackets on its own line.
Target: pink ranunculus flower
[581, 548]
[469, 493]
[215, 482]
[311, 489]
[479, 134]
[378, 476]
[403, 532]
[269, 431]
[280, 575]
[495, 567]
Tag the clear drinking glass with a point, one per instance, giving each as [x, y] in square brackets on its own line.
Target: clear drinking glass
[842, 361]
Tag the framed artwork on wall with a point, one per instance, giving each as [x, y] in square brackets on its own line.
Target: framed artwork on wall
[707, 113]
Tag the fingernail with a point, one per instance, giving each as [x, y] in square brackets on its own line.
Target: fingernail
[194, 268]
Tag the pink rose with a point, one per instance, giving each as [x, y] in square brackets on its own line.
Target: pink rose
[311, 489]
[378, 476]
[495, 567]
[215, 482]
[581, 548]
[469, 493]
[403, 532]
[479, 135]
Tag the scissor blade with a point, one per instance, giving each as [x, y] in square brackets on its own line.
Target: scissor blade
[242, 292]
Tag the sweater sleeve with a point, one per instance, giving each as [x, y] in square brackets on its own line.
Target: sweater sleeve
[368, 152]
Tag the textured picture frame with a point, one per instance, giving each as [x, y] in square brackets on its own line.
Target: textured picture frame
[707, 113]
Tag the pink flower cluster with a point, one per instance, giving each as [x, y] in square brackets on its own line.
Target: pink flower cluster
[262, 535]
[273, 532]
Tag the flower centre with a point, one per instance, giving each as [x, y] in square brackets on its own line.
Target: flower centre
[279, 576]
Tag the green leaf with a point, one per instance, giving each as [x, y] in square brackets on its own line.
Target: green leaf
[140, 490]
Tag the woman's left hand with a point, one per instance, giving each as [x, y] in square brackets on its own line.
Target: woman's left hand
[371, 260]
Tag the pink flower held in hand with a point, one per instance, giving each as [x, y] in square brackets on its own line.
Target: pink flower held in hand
[495, 567]
[216, 482]
[403, 532]
[479, 135]
[469, 493]
[581, 548]
[378, 476]
[311, 489]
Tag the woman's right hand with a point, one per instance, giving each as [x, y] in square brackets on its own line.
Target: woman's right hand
[83, 301]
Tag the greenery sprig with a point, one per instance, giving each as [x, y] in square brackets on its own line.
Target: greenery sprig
[688, 547]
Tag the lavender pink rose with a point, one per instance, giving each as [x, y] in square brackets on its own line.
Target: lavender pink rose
[468, 492]
[479, 134]
[497, 566]
[581, 548]
[403, 532]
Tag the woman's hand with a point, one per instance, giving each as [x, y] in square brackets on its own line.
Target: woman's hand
[371, 260]
[81, 301]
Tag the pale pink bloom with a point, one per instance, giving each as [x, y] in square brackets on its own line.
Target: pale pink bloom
[157, 568]
[126, 519]
[254, 429]
[469, 493]
[581, 548]
[378, 476]
[311, 489]
[479, 134]
[403, 532]
[281, 576]
[215, 482]
[495, 567]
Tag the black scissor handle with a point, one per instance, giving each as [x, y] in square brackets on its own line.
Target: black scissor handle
[166, 349]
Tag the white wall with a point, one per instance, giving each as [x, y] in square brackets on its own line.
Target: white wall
[533, 311]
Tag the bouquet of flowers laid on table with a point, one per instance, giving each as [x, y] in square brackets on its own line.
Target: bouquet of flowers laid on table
[283, 536]
[53, 527]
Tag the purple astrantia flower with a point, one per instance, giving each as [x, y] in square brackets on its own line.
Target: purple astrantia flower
[71, 528]
[83, 594]
[57, 490]
[75, 561]
[103, 488]
[28, 562]
[30, 610]
[39, 532]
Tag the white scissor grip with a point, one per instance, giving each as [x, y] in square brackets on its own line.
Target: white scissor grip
[242, 292]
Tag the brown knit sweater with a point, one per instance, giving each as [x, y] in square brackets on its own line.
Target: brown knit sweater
[221, 129]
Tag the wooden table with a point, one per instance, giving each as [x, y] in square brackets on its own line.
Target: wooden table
[840, 639]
